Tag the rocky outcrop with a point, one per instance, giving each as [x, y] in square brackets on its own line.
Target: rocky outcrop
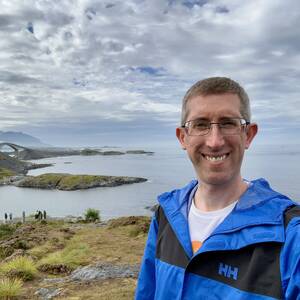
[104, 271]
[16, 166]
[48, 293]
[68, 182]
[12, 164]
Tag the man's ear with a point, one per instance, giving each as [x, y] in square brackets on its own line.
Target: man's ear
[181, 136]
[251, 132]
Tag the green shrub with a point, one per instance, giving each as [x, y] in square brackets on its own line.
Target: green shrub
[21, 244]
[21, 267]
[10, 287]
[92, 215]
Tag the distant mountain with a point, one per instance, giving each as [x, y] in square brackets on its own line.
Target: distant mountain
[21, 138]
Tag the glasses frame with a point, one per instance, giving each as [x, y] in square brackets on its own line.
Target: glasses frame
[243, 122]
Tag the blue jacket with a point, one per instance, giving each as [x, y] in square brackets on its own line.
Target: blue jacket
[253, 254]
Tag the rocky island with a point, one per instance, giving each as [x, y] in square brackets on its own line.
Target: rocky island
[14, 167]
[70, 182]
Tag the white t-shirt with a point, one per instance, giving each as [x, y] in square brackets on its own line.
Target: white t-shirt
[203, 223]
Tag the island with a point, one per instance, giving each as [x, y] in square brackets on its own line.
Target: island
[70, 182]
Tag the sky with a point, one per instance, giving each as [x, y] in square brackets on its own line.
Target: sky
[94, 73]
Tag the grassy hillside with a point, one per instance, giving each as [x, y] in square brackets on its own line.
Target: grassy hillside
[54, 249]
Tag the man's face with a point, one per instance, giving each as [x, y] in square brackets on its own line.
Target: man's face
[216, 158]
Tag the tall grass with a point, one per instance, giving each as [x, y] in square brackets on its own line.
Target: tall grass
[21, 267]
[73, 255]
[10, 287]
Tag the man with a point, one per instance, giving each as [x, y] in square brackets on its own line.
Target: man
[221, 237]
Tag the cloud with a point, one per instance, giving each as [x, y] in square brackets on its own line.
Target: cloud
[70, 61]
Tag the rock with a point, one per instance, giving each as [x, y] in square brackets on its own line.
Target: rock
[48, 293]
[56, 280]
[55, 269]
[152, 208]
[130, 220]
[12, 164]
[104, 271]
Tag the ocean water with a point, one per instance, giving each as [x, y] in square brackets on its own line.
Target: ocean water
[167, 169]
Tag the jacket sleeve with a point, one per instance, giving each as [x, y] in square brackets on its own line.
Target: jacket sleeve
[146, 282]
[290, 261]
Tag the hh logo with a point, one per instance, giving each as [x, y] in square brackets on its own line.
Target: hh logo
[228, 271]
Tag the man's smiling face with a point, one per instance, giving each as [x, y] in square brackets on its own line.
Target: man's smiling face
[216, 158]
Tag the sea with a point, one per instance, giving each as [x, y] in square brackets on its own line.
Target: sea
[167, 169]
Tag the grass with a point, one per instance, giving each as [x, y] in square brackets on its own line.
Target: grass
[68, 246]
[73, 255]
[6, 230]
[91, 244]
[70, 182]
[10, 287]
[113, 289]
[6, 173]
[20, 267]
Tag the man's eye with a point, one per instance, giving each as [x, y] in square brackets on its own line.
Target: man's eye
[229, 123]
[201, 125]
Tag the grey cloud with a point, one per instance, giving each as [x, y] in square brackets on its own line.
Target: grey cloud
[14, 78]
[92, 59]
[8, 23]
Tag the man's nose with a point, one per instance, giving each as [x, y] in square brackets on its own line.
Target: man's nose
[215, 138]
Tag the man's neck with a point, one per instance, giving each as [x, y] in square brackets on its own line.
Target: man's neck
[214, 197]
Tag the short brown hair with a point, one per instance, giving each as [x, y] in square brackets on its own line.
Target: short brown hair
[216, 85]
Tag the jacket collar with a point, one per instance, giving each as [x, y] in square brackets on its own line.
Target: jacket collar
[259, 205]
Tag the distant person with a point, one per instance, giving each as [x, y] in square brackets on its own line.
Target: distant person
[221, 236]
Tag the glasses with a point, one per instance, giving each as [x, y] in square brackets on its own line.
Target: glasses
[227, 126]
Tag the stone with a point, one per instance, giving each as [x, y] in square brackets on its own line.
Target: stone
[104, 271]
[48, 293]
